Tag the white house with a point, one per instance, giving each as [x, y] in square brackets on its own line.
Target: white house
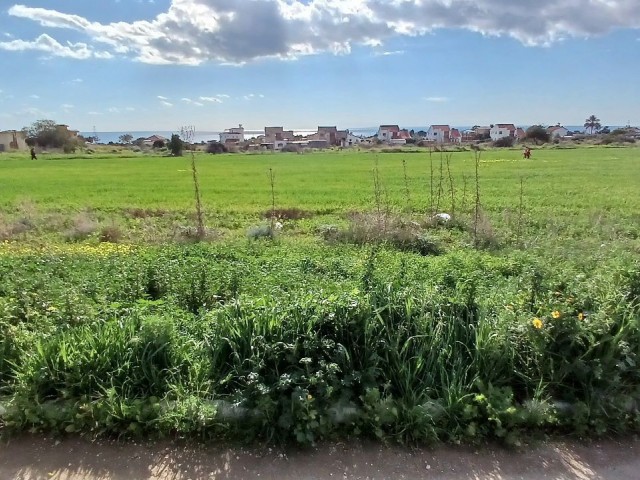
[386, 132]
[438, 133]
[232, 135]
[502, 130]
[557, 131]
[349, 139]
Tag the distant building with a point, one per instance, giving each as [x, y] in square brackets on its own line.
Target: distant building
[557, 131]
[64, 130]
[150, 141]
[348, 139]
[502, 130]
[385, 132]
[12, 140]
[439, 133]
[330, 134]
[272, 134]
[232, 135]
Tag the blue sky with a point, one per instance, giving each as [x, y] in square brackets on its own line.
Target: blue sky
[158, 65]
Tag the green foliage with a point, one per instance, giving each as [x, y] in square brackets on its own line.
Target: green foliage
[45, 133]
[303, 344]
[125, 138]
[538, 133]
[505, 142]
[175, 145]
[216, 147]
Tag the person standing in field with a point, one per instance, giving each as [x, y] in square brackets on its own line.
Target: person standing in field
[33, 154]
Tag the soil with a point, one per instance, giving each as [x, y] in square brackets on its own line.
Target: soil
[35, 457]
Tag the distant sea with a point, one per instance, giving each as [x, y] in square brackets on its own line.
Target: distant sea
[206, 136]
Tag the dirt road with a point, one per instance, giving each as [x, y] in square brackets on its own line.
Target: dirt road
[30, 458]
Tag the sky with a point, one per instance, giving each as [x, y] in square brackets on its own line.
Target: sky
[118, 65]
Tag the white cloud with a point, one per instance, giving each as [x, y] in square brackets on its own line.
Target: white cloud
[44, 43]
[192, 102]
[160, 97]
[166, 104]
[211, 99]
[437, 99]
[191, 32]
[388, 54]
[35, 97]
[66, 107]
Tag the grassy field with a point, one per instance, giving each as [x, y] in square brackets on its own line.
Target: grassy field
[563, 191]
[556, 181]
[363, 318]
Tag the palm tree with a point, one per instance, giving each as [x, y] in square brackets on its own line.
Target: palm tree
[592, 123]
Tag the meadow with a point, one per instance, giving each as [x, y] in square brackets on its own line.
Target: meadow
[360, 315]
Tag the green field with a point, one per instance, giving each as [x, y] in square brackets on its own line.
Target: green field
[363, 318]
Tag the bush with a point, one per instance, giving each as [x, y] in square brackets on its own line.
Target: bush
[159, 144]
[537, 133]
[505, 142]
[216, 148]
[291, 148]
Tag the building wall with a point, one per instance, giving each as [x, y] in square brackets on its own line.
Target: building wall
[437, 135]
[12, 140]
[501, 132]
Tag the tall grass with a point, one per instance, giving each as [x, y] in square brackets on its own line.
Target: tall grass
[298, 345]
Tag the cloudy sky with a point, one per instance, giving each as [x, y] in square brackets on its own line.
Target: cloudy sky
[161, 64]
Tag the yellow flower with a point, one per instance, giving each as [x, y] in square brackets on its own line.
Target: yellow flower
[581, 316]
[309, 397]
[537, 323]
[555, 314]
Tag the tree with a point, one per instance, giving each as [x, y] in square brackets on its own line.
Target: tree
[45, 133]
[592, 124]
[537, 133]
[126, 138]
[175, 145]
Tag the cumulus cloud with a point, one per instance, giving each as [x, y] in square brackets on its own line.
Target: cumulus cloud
[195, 31]
[45, 43]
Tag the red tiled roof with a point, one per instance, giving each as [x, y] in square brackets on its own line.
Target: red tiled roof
[446, 128]
[392, 128]
[455, 133]
[509, 126]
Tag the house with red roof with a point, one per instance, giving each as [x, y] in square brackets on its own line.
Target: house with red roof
[443, 134]
[557, 131]
[386, 132]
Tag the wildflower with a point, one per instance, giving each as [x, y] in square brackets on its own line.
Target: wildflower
[581, 316]
[309, 397]
[537, 323]
[555, 314]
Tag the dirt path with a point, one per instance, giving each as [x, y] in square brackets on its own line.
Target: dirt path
[30, 458]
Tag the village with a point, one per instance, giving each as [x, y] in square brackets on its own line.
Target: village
[278, 139]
